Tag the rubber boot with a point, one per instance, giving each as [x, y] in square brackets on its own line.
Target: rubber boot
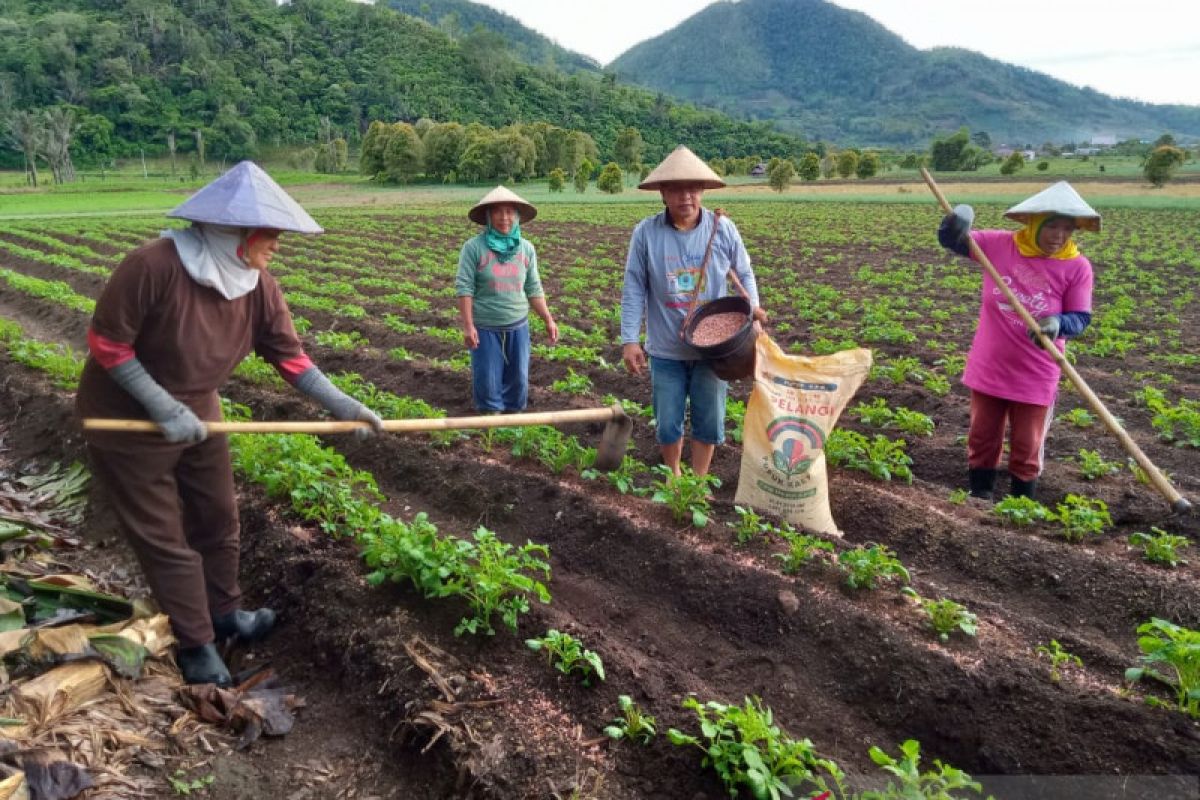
[247, 626]
[1022, 488]
[203, 664]
[982, 481]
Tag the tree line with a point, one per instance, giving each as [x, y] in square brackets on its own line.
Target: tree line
[231, 79]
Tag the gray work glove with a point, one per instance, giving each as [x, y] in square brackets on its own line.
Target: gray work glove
[178, 422]
[314, 384]
[1049, 326]
[963, 217]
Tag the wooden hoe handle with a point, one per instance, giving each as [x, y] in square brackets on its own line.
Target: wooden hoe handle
[391, 425]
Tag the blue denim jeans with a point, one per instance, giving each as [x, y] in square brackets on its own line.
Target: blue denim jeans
[500, 369]
[676, 385]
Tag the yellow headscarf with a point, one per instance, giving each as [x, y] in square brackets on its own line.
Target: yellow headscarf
[1027, 237]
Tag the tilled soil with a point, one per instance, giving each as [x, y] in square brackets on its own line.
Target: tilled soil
[678, 611]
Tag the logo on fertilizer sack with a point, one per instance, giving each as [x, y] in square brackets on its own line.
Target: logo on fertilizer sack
[794, 443]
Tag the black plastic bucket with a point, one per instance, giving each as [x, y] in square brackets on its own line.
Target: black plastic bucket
[732, 358]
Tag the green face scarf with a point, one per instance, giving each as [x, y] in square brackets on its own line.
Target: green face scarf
[504, 245]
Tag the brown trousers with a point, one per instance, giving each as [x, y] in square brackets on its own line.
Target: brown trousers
[985, 439]
[178, 509]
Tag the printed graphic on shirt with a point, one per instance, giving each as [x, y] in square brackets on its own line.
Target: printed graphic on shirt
[683, 273]
[502, 277]
[1031, 287]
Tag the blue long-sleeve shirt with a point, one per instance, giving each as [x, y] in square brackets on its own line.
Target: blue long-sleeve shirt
[661, 271]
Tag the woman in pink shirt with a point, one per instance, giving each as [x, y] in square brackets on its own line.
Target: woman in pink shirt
[1010, 377]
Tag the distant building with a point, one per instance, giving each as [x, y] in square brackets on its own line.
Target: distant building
[758, 170]
[1087, 151]
[1003, 152]
[1104, 140]
[1030, 155]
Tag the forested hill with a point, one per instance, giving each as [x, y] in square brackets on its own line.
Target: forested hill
[837, 74]
[253, 74]
[462, 18]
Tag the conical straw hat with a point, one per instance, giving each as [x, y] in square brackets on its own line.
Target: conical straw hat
[478, 212]
[246, 197]
[682, 166]
[1061, 198]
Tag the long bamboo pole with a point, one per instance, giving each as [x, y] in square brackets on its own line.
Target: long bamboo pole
[392, 425]
[1179, 503]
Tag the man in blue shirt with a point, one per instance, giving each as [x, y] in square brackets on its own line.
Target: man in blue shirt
[666, 254]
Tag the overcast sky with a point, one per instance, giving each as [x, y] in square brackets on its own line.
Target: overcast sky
[1146, 51]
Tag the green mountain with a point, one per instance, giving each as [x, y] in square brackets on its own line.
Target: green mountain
[834, 74]
[252, 74]
[461, 18]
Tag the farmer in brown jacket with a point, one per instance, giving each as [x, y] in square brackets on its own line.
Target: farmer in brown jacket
[177, 316]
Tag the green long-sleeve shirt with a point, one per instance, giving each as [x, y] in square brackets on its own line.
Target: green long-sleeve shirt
[500, 292]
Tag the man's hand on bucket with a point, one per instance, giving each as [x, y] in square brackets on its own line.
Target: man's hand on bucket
[760, 318]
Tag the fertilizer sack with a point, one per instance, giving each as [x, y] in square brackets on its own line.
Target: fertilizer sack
[793, 407]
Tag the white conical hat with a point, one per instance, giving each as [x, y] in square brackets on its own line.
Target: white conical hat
[246, 197]
[478, 212]
[682, 166]
[1060, 198]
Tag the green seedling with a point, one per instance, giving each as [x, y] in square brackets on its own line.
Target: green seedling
[1092, 465]
[687, 495]
[1080, 418]
[749, 525]
[341, 340]
[182, 785]
[945, 616]
[623, 478]
[867, 566]
[1160, 547]
[908, 421]
[1060, 659]
[802, 549]
[936, 784]
[958, 496]
[568, 656]
[1176, 649]
[496, 578]
[746, 749]
[1022, 512]
[634, 725]
[574, 383]
[881, 457]
[1082, 516]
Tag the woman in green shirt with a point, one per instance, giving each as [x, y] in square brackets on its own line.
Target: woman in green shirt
[497, 284]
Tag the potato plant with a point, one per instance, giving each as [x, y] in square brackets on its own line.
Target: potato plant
[1170, 655]
[687, 494]
[1093, 466]
[1160, 547]
[1059, 659]
[868, 566]
[945, 616]
[634, 724]
[567, 655]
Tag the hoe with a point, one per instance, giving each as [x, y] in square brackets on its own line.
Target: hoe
[609, 453]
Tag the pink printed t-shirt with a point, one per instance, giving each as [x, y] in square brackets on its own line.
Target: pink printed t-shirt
[1003, 362]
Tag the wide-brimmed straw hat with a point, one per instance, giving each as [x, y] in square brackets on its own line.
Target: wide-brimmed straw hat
[478, 212]
[682, 166]
[1061, 198]
[246, 197]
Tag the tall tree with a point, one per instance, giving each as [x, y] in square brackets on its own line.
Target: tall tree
[629, 148]
[60, 127]
[810, 167]
[26, 131]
